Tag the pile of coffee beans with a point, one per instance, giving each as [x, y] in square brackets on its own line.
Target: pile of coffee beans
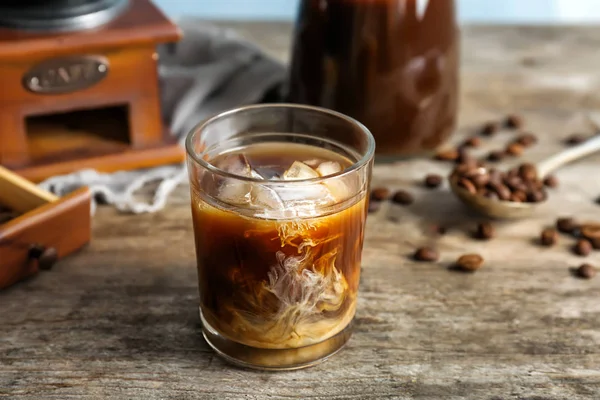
[520, 184]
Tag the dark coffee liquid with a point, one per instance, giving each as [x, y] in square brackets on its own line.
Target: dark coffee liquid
[276, 283]
[387, 63]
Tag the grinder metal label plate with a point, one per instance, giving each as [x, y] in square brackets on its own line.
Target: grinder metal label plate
[65, 75]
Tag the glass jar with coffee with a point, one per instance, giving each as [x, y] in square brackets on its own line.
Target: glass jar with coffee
[391, 64]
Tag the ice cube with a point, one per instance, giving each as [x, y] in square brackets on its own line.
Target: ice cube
[235, 164]
[268, 172]
[233, 191]
[315, 194]
[329, 168]
[262, 196]
[337, 187]
[313, 163]
[299, 171]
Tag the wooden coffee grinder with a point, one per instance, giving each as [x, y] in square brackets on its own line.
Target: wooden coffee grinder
[79, 86]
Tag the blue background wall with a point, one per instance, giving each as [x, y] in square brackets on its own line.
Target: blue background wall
[498, 11]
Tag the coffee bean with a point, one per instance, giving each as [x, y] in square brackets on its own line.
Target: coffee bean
[575, 139]
[496, 155]
[472, 142]
[518, 196]
[582, 248]
[374, 206]
[536, 196]
[492, 195]
[480, 180]
[447, 155]
[403, 197]
[549, 237]
[469, 262]
[433, 181]
[551, 181]
[514, 183]
[513, 121]
[586, 271]
[526, 139]
[591, 232]
[514, 149]
[528, 172]
[501, 190]
[566, 225]
[490, 128]
[495, 175]
[485, 231]
[380, 194]
[426, 254]
[468, 185]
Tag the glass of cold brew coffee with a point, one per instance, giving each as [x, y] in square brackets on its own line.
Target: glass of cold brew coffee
[279, 204]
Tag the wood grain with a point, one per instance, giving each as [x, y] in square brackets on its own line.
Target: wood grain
[119, 320]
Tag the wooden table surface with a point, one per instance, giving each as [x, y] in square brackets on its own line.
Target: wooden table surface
[119, 320]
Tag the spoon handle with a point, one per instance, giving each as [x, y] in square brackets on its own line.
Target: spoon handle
[564, 157]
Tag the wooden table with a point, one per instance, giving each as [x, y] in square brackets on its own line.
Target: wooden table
[119, 320]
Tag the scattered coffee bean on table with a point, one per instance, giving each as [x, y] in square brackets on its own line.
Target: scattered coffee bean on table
[469, 262]
[485, 231]
[549, 237]
[426, 254]
[591, 232]
[380, 194]
[447, 155]
[526, 139]
[566, 225]
[403, 197]
[582, 248]
[575, 139]
[551, 181]
[513, 121]
[586, 271]
[496, 155]
[514, 149]
[472, 142]
[490, 128]
[433, 181]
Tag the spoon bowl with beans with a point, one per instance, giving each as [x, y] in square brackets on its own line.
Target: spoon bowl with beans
[516, 193]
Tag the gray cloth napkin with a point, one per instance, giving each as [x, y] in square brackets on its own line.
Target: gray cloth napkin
[209, 71]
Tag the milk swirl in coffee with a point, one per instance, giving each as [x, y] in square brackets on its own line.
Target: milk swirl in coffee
[279, 264]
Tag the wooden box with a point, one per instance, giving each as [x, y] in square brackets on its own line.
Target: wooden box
[46, 229]
[85, 99]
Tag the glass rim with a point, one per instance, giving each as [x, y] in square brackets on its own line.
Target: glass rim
[360, 163]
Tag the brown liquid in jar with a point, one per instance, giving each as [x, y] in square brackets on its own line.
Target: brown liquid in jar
[391, 64]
